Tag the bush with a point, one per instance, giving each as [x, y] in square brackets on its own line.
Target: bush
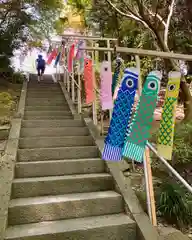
[174, 205]
[5, 99]
[182, 150]
[18, 77]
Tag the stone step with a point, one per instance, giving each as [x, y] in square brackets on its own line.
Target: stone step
[52, 123]
[75, 205]
[46, 142]
[47, 117]
[47, 108]
[44, 90]
[45, 102]
[112, 227]
[53, 98]
[48, 95]
[63, 131]
[47, 113]
[59, 167]
[57, 185]
[43, 154]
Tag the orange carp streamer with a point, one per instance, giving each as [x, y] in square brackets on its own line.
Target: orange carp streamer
[88, 79]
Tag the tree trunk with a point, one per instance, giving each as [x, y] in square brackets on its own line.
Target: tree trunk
[187, 101]
[186, 96]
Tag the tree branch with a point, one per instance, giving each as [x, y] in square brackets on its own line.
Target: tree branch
[166, 33]
[130, 15]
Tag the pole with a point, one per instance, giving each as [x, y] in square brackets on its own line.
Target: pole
[150, 188]
[72, 84]
[79, 89]
[144, 52]
[147, 187]
[138, 65]
[109, 60]
[94, 106]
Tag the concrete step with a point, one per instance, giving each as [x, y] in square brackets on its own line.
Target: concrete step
[47, 108]
[52, 123]
[45, 94]
[45, 98]
[112, 227]
[57, 185]
[47, 113]
[46, 142]
[64, 131]
[45, 102]
[44, 90]
[59, 167]
[47, 117]
[43, 154]
[48, 95]
[75, 205]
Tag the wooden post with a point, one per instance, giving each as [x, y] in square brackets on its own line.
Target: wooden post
[147, 187]
[109, 60]
[138, 65]
[94, 86]
[79, 90]
[72, 84]
[150, 187]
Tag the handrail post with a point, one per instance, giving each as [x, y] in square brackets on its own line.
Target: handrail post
[138, 65]
[59, 73]
[64, 79]
[94, 106]
[68, 82]
[72, 84]
[109, 60]
[79, 91]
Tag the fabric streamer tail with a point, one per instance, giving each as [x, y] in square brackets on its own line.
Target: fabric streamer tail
[167, 124]
[121, 116]
[57, 59]
[106, 81]
[52, 56]
[88, 80]
[70, 58]
[139, 129]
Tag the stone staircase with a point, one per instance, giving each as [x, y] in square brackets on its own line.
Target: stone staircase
[61, 189]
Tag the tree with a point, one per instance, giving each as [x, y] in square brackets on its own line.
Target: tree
[154, 24]
[156, 17]
[18, 19]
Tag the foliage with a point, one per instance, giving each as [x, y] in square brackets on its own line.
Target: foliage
[18, 77]
[182, 149]
[21, 21]
[5, 97]
[174, 205]
[46, 24]
[6, 101]
[183, 143]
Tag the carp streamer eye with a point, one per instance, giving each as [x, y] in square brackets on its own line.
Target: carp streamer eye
[130, 83]
[171, 87]
[152, 85]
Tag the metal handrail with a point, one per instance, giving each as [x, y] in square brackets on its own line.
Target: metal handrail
[72, 78]
[173, 171]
